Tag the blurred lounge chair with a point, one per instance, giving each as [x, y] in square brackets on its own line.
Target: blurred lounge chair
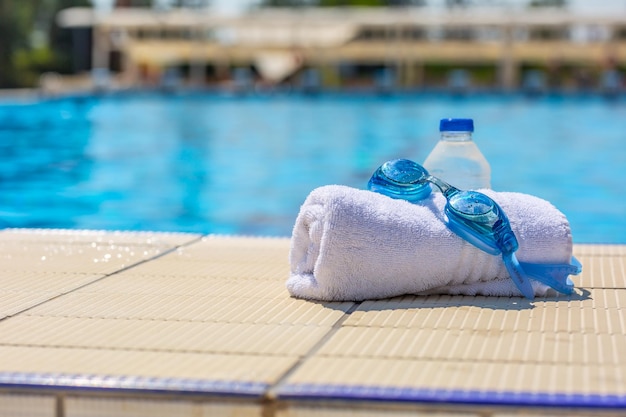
[275, 67]
[459, 81]
[101, 79]
[386, 81]
[310, 81]
[611, 82]
[50, 84]
[534, 82]
[242, 81]
[171, 80]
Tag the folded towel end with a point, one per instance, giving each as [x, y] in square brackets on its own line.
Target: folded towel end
[352, 245]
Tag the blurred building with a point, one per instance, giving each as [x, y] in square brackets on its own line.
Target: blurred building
[405, 47]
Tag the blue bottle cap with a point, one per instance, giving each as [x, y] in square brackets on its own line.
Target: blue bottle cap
[456, 125]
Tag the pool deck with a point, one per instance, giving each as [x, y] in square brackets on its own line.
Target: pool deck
[151, 324]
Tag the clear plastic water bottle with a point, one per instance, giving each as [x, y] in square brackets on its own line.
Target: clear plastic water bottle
[456, 158]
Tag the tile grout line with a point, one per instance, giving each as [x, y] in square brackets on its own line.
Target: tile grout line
[143, 261]
[271, 394]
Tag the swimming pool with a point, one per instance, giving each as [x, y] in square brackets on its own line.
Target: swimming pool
[243, 165]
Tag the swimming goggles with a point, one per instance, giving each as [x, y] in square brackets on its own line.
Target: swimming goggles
[477, 219]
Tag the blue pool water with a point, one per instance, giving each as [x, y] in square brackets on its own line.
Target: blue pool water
[243, 165]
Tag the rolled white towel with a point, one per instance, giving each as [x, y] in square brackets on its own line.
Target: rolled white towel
[351, 244]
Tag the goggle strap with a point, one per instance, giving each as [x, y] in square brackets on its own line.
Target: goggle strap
[518, 275]
[555, 276]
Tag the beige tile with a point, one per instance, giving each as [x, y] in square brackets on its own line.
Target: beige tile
[21, 290]
[20, 405]
[60, 250]
[102, 368]
[124, 407]
[570, 412]
[193, 308]
[13, 302]
[419, 312]
[71, 236]
[176, 267]
[42, 281]
[41, 252]
[599, 250]
[244, 242]
[359, 410]
[86, 258]
[602, 271]
[599, 311]
[182, 336]
[215, 311]
[473, 345]
[237, 249]
[128, 282]
[225, 257]
[475, 376]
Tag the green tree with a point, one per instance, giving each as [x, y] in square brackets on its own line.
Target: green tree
[370, 3]
[16, 18]
[340, 3]
[30, 41]
[548, 3]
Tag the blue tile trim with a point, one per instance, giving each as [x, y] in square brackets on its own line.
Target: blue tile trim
[110, 383]
[423, 395]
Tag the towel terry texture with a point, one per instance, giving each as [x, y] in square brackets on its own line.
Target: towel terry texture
[353, 245]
